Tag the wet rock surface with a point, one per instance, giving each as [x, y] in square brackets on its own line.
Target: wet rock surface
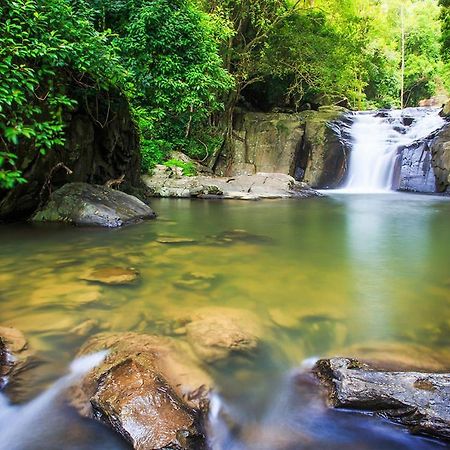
[217, 333]
[163, 183]
[149, 389]
[413, 170]
[15, 355]
[112, 275]
[440, 150]
[324, 157]
[419, 400]
[84, 204]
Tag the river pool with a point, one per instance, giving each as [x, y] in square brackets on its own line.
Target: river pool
[327, 276]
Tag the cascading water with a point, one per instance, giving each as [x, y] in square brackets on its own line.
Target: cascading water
[46, 421]
[377, 137]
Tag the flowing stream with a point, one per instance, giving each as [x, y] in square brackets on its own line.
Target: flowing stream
[376, 139]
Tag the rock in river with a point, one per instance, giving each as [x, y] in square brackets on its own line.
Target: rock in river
[112, 275]
[14, 354]
[148, 389]
[86, 204]
[215, 333]
[419, 400]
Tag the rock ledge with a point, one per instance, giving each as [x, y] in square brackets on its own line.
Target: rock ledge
[421, 401]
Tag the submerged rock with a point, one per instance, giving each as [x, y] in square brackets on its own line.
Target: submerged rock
[238, 235]
[396, 356]
[195, 281]
[176, 240]
[149, 389]
[14, 354]
[112, 275]
[85, 204]
[216, 333]
[421, 401]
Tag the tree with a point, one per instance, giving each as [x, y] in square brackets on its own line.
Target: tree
[43, 43]
[175, 74]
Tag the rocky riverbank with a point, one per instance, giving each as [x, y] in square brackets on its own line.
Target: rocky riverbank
[170, 182]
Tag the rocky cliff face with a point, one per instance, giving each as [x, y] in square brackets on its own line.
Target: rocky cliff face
[324, 155]
[440, 152]
[101, 145]
[413, 168]
[263, 142]
[307, 146]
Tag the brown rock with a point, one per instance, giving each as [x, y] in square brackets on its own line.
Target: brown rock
[440, 150]
[148, 388]
[112, 275]
[140, 405]
[215, 333]
[14, 354]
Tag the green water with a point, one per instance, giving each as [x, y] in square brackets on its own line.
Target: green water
[325, 276]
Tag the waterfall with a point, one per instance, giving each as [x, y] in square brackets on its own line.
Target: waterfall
[377, 137]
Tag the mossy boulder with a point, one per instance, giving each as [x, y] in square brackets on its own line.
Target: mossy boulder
[85, 204]
[101, 144]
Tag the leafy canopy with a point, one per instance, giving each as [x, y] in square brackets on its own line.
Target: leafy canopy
[43, 43]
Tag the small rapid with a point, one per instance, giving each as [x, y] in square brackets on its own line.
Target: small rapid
[46, 421]
[377, 137]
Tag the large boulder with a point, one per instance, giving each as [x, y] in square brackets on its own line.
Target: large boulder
[85, 204]
[419, 400]
[101, 145]
[413, 170]
[148, 389]
[440, 151]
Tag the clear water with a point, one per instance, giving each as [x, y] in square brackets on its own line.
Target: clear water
[324, 275]
[376, 137]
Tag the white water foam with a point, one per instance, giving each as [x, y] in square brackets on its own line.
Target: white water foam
[17, 422]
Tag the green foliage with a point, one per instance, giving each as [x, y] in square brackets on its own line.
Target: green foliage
[186, 64]
[42, 45]
[188, 168]
[175, 73]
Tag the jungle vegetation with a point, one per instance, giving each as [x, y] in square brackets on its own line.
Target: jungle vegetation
[186, 65]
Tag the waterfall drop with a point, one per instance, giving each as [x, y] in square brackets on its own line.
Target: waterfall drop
[377, 137]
